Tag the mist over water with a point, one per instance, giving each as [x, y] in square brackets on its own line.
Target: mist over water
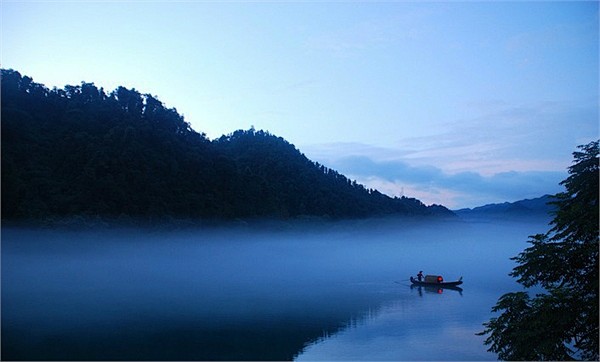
[305, 291]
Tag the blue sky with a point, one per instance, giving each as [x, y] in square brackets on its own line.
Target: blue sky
[459, 103]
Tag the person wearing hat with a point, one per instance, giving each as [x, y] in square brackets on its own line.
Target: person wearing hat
[420, 275]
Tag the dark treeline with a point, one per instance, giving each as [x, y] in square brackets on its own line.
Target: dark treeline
[80, 151]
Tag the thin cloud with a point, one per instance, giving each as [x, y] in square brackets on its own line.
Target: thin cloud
[432, 184]
[538, 136]
[503, 185]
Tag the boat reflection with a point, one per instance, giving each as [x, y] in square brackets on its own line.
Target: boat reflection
[435, 289]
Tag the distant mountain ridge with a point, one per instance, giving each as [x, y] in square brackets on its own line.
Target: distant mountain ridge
[80, 151]
[536, 206]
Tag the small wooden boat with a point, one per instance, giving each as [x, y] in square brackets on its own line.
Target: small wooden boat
[427, 283]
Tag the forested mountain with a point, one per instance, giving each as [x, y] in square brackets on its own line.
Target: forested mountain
[80, 151]
[528, 207]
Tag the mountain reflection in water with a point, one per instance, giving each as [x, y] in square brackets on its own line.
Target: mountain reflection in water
[305, 292]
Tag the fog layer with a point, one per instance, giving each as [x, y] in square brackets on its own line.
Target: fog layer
[235, 293]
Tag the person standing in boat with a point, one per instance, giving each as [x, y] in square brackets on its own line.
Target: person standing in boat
[420, 275]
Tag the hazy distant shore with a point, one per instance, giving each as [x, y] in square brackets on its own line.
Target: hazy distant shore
[168, 222]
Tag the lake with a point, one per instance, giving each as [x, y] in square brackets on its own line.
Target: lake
[270, 291]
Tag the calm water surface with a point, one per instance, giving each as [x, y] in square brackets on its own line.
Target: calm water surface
[305, 292]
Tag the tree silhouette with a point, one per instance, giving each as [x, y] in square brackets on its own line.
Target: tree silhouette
[561, 323]
[79, 151]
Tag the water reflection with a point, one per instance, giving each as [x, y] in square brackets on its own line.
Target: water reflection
[436, 289]
[311, 294]
[419, 324]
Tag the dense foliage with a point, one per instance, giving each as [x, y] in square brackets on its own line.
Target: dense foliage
[80, 151]
[562, 323]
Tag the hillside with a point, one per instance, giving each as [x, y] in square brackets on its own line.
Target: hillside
[529, 207]
[80, 151]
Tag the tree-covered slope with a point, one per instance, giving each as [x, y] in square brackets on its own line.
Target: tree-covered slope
[527, 207]
[82, 151]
